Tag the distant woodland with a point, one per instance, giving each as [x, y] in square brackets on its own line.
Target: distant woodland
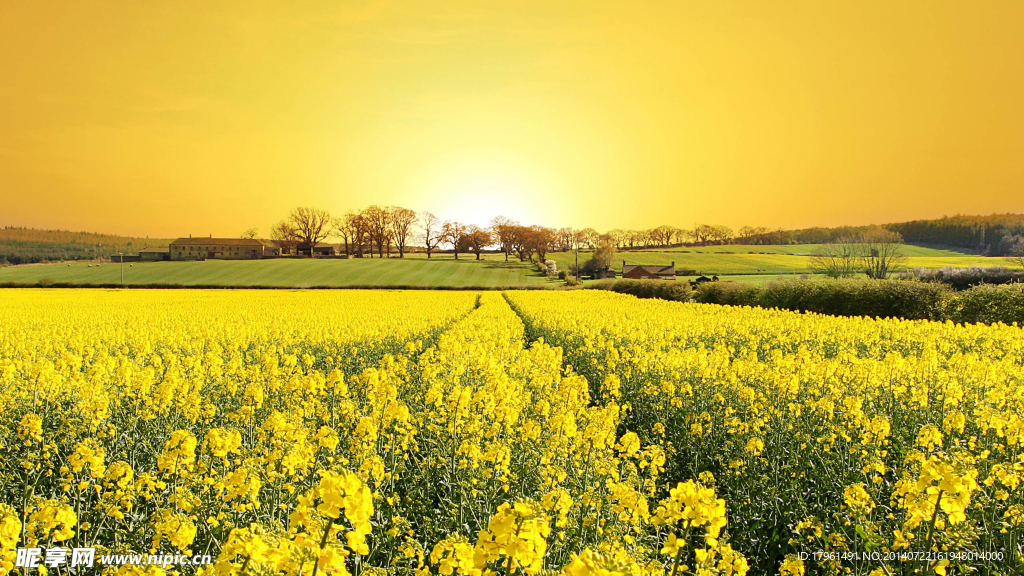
[992, 235]
[27, 245]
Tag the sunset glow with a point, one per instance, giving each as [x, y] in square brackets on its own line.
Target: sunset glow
[166, 119]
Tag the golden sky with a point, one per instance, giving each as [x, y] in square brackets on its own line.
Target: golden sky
[206, 117]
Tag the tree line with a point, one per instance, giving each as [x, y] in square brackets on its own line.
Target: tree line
[992, 235]
[379, 231]
[20, 245]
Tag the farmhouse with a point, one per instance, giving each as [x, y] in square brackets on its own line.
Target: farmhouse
[656, 272]
[216, 248]
[154, 254]
[270, 250]
[304, 249]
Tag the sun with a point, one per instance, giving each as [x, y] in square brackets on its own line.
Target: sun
[477, 187]
[479, 203]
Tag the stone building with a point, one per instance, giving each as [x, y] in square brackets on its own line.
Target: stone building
[654, 272]
[154, 254]
[216, 249]
[320, 250]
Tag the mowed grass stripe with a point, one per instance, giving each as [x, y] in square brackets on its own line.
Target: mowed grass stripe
[416, 272]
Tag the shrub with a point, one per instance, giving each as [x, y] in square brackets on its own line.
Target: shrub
[572, 281]
[964, 277]
[988, 304]
[550, 267]
[729, 293]
[664, 289]
[883, 298]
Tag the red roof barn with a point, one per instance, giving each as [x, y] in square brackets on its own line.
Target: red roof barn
[650, 271]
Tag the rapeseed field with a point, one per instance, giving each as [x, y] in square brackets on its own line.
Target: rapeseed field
[582, 433]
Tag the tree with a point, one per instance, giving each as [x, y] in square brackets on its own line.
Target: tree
[618, 236]
[402, 220]
[721, 233]
[476, 239]
[663, 234]
[432, 235]
[605, 253]
[451, 233]
[359, 233]
[285, 236]
[1016, 254]
[352, 229]
[748, 233]
[342, 231]
[250, 233]
[310, 225]
[839, 259]
[520, 241]
[565, 239]
[602, 259]
[503, 230]
[882, 253]
[634, 237]
[651, 237]
[588, 236]
[378, 224]
[702, 233]
[542, 239]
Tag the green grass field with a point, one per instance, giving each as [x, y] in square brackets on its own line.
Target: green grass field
[440, 272]
[713, 262]
[911, 250]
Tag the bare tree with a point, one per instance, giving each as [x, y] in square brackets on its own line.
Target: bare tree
[649, 238]
[310, 225]
[1015, 255]
[357, 230]
[284, 236]
[503, 230]
[350, 228]
[882, 253]
[663, 234]
[747, 233]
[378, 224]
[250, 233]
[402, 221]
[702, 233]
[634, 237]
[452, 233]
[342, 231]
[618, 237]
[721, 233]
[838, 259]
[431, 226]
